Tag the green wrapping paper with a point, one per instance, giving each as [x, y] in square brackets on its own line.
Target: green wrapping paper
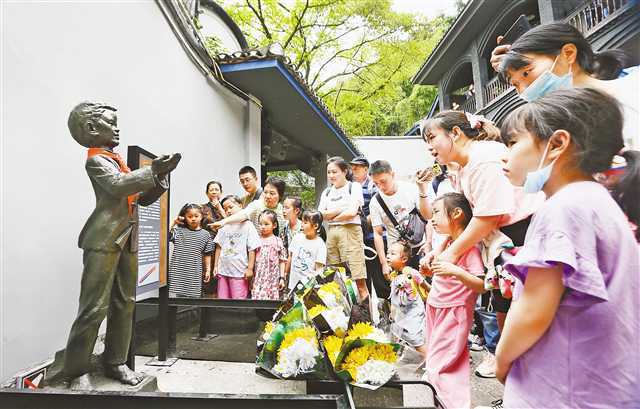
[296, 318]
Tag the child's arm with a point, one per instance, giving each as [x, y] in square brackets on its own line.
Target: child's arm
[283, 273]
[478, 228]
[418, 278]
[319, 267]
[530, 317]
[425, 286]
[234, 218]
[216, 259]
[178, 220]
[444, 268]
[207, 268]
[252, 261]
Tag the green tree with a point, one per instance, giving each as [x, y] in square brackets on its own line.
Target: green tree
[357, 55]
[382, 100]
[298, 184]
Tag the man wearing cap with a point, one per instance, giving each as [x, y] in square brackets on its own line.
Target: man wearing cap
[360, 168]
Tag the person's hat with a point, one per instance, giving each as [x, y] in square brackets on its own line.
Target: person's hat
[360, 160]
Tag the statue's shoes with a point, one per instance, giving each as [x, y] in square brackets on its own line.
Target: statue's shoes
[123, 374]
[81, 383]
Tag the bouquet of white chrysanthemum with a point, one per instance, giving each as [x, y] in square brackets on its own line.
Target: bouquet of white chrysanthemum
[329, 302]
[291, 347]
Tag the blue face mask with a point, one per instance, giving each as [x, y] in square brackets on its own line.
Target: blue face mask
[547, 82]
[535, 181]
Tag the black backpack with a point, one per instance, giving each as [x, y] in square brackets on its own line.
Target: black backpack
[413, 231]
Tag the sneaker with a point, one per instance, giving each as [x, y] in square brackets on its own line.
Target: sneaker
[475, 343]
[496, 404]
[487, 368]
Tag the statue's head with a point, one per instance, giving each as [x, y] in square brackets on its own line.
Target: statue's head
[94, 124]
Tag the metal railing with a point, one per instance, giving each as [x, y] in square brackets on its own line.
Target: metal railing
[469, 105]
[594, 13]
[494, 89]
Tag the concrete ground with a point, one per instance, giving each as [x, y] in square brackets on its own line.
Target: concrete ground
[224, 364]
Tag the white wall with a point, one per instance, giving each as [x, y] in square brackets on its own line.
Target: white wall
[406, 154]
[54, 55]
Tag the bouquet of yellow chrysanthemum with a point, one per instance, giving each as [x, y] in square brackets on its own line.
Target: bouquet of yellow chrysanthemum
[291, 347]
[366, 356]
[338, 276]
[328, 308]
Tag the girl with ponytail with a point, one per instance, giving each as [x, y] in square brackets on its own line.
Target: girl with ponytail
[501, 211]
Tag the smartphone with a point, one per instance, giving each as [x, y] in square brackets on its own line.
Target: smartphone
[514, 32]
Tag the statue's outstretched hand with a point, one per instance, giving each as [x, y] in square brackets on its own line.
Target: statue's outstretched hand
[165, 163]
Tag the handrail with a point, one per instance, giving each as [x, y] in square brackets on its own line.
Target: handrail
[495, 89]
[593, 14]
[469, 105]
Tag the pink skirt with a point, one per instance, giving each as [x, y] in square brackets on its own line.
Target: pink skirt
[447, 365]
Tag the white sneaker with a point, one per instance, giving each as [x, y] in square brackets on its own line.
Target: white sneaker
[476, 343]
[487, 368]
[496, 404]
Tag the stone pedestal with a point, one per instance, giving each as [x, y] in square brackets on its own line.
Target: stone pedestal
[100, 383]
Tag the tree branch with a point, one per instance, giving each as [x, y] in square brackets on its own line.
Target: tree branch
[297, 26]
[260, 17]
[379, 87]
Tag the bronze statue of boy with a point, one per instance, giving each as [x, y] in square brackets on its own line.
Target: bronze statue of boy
[109, 242]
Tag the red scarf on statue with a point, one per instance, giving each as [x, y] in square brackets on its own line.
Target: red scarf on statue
[121, 164]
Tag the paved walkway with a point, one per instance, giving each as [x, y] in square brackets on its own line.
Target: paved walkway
[225, 365]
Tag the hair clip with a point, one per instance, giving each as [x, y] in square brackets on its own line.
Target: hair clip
[475, 120]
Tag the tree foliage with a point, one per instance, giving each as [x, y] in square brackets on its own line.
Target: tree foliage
[298, 184]
[357, 55]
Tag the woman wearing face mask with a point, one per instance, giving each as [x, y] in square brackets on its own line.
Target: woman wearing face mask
[555, 56]
[499, 209]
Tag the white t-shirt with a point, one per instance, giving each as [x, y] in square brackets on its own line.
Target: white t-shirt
[400, 205]
[235, 241]
[305, 254]
[341, 199]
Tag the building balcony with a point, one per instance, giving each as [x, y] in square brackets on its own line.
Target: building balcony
[594, 14]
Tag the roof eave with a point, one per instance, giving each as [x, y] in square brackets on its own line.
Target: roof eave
[427, 75]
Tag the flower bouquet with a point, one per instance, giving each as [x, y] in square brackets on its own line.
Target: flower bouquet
[327, 311]
[366, 357]
[291, 348]
[339, 275]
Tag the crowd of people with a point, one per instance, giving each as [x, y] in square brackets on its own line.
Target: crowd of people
[543, 211]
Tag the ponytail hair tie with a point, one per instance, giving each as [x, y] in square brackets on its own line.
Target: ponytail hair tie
[475, 120]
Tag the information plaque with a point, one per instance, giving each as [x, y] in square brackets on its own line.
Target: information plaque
[153, 231]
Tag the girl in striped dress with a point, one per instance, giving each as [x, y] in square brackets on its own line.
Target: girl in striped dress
[192, 250]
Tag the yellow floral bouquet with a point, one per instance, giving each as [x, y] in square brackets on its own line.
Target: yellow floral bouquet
[328, 309]
[290, 347]
[365, 357]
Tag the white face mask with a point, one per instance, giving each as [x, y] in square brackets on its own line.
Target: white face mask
[546, 83]
[535, 181]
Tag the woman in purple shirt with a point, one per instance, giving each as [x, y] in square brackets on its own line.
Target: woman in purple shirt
[571, 338]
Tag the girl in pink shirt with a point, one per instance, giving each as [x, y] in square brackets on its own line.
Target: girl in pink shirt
[450, 305]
